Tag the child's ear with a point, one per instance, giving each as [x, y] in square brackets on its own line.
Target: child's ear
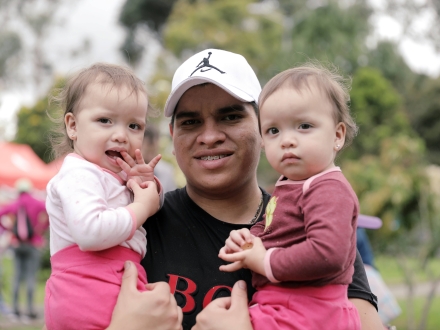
[341, 130]
[70, 122]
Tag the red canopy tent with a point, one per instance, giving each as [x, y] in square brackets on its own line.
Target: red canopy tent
[20, 161]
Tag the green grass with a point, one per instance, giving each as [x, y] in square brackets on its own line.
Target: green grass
[433, 322]
[393, 274]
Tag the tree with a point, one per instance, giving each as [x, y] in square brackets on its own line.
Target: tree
[333, 32]
[24, 26]
[228, 24]
[10, 47]
[411, 13]
[423, 106]
[138, 14]
[377, 109]
[34, 124]
[386, 58]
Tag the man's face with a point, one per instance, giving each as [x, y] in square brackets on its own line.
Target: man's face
[216, 140]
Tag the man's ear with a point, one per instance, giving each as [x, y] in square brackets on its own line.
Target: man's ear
[70, 122]
[172, 134]
[171, 129]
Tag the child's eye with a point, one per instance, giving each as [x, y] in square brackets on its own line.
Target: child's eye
[104, 120]
[135, 126]
[305, 126]
[272, 130]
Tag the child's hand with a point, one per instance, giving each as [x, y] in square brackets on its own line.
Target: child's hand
[252, 258]
[146, 200]
[237, 239]
[137, 169]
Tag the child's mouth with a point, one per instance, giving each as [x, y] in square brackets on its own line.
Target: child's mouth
[113, 154]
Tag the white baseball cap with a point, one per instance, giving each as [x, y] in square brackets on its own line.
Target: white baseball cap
[227, 70]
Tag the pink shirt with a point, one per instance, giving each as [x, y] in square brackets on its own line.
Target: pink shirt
[310, 233]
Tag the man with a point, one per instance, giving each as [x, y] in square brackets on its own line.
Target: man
[214, 126]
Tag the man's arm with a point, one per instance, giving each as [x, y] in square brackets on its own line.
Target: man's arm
[368, 315]
[155, 309]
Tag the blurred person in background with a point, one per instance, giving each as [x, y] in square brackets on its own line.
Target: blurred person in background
[150, 148]
[28, 230]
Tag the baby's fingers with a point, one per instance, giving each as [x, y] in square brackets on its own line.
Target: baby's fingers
[155, 160]
[124, 166]
[231, 267]
[130, 161]
[231, 257]
[139, 157]
[232, 246]
[241, 236]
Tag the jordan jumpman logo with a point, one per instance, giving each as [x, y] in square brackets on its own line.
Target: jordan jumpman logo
[205, 64]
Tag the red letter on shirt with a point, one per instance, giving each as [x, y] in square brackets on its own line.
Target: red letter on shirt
[210, 294]
[192, 287]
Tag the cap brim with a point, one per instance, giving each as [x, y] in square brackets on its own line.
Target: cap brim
[369, 222]
[175, 96]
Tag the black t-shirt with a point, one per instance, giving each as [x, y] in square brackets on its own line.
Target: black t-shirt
[183, 242]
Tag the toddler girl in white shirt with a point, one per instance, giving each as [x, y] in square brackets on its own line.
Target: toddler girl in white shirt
[100, 198]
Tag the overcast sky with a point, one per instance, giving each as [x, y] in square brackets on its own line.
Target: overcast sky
[97, 21]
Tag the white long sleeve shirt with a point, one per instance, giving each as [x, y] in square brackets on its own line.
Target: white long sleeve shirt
[87, 206]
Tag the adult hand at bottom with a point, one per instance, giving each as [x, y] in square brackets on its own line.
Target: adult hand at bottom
[226, 313]
[153, 309]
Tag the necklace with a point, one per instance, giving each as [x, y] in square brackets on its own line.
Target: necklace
[257, 214]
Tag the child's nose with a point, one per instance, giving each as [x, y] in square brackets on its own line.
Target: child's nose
[119, 135]
[289, 141]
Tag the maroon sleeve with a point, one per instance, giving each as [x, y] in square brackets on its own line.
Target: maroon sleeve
[328, 250]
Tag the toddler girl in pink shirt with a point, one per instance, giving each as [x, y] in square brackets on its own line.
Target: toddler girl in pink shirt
[302, 254]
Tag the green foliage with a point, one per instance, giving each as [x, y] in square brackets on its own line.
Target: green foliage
[228, 24]
[390, 63]
[385, 164]
[330, 33]
[34, 125]
[389, 184]
[152, 12]
[10, 46]
[423, 106]
[376, 107]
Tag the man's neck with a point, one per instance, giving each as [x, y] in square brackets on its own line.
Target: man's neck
[238, 206]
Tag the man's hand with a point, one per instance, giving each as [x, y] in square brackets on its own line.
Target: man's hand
[136, 169]
[226, 313]
[155, 309]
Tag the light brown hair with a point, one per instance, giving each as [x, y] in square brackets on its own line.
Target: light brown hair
[69, 97]
[334, 86]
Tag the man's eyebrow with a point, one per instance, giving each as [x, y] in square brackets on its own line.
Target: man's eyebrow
[187, 114]
[232, 108]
